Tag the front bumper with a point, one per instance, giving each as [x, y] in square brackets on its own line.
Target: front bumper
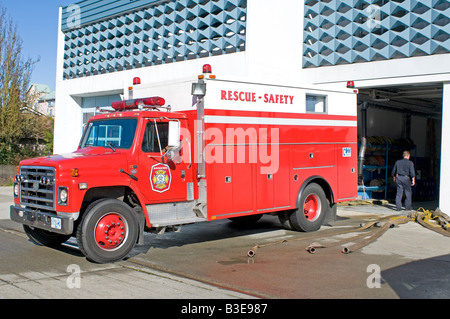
[45, 221]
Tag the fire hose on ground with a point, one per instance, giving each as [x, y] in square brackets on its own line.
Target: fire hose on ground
[252, 252]
[367, 233]
[436, 220]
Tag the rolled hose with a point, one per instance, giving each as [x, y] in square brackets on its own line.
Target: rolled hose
[393, 222]
[367, 240]
[383, 225]
[424, 217]
[312, 248]
[252, 253]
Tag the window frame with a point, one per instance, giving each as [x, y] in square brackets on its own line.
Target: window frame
[160, 143]
[325, 102]
[86, 136]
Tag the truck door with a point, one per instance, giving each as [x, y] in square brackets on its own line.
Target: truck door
[161, 179]
[347, 172]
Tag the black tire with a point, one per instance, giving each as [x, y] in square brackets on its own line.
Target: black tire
[246, 220]
[312, 209]
[45, 238]
[108, 231]
[285, 221]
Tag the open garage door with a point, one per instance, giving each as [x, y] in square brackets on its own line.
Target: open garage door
[393, 119]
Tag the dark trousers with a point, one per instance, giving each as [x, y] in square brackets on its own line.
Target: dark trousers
[403, 186]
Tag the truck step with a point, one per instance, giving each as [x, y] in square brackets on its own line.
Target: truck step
[176, 222]
[170, 214]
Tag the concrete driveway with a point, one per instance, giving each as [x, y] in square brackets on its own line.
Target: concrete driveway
[408, 261]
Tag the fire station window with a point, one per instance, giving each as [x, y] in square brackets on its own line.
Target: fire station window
[316, 103]
[150, 143]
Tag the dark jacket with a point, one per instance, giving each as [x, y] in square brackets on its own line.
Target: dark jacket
[404, 167]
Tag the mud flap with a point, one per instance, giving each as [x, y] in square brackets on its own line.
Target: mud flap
[331, 215]
[142, 222]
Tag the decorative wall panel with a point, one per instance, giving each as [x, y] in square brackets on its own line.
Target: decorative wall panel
[165, 32]
[342, 32]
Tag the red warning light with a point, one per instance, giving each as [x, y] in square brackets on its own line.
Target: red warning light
[134, 104]
[207, 68]
[154, 101]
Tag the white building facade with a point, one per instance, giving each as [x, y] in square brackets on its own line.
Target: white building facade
[395, 52]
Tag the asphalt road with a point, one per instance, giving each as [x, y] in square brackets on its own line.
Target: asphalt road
[28, 271]
[209, 261]
[408, 261]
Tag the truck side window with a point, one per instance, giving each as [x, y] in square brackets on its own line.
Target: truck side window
[150, 142]
[316, 103]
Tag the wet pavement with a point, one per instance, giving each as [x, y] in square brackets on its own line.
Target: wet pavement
[408, 261]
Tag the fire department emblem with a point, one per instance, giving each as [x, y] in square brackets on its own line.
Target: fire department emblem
[160, 178]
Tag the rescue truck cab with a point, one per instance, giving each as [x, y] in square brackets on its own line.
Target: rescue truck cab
[225, 149]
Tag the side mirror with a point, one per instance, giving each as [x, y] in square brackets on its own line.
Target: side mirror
[174, 134]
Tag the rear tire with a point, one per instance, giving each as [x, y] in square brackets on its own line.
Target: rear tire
[285, 221]
[312, 209]
[246, 220]
[108, 231]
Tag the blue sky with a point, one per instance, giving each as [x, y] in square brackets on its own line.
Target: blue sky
[37, 22]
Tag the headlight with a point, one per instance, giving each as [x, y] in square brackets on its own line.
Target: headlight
[63, 196]
[16, 189]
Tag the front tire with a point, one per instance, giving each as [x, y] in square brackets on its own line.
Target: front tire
[108, 231]
[45, 238]
[312, 209]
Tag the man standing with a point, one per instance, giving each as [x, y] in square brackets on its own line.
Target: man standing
[405, 177]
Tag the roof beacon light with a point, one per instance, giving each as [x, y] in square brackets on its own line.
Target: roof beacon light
[138, 103]
[207, 69]
[136, 81]
[350, 84]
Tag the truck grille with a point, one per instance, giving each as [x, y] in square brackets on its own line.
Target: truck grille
[38, 187]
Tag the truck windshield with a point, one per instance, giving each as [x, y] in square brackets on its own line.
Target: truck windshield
[112, 133]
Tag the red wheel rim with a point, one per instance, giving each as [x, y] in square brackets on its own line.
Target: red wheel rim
[111, 231]
[312, 207]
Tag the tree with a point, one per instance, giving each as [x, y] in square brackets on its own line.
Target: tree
[15, 74]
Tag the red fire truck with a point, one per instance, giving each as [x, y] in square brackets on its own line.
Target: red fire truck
[209, 149]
